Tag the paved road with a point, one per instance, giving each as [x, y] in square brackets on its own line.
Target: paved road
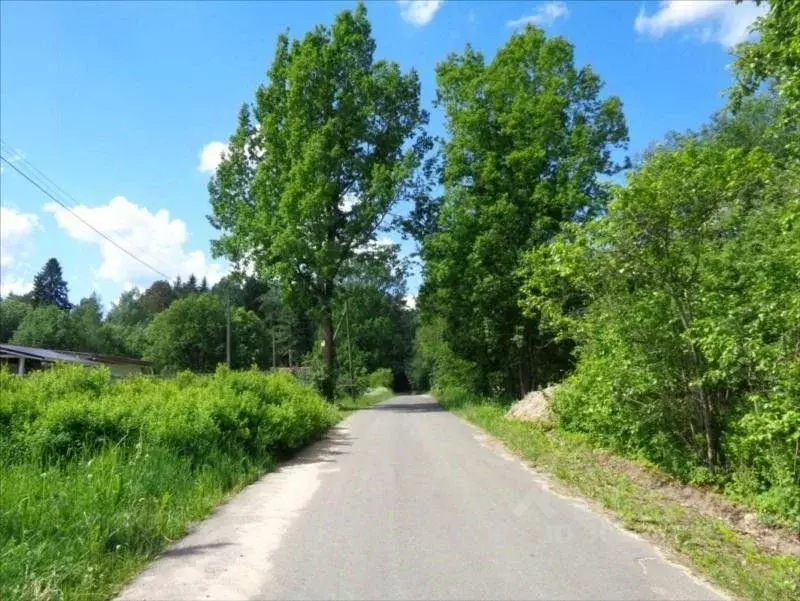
[406, 501]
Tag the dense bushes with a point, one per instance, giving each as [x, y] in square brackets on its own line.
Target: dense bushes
[380, 378]
[684, 303]
[98, 474]
[681, 302]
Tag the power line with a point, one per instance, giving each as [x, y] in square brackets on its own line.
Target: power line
[18, 157]
[89, 225]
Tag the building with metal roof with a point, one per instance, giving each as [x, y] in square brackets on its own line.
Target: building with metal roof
[24, 359]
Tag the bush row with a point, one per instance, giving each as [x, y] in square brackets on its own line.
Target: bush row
[71, 411]
[99, 475]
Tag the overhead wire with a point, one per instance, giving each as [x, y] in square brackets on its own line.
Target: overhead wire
[53, 197]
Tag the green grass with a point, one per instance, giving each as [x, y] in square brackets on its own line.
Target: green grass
[731, 560]
[79, 530]
[347, 405]
[99, 475]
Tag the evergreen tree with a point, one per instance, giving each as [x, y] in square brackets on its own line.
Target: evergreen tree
[49, 287]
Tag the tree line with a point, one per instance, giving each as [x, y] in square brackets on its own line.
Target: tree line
[183, 325]
[662, 293]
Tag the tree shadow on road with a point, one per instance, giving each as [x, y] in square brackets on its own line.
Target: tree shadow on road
[193, 549]
[335, 443]
[425, 407]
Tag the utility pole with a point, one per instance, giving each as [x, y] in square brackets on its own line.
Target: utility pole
[274, 364]
[349, 348]
[228, 323]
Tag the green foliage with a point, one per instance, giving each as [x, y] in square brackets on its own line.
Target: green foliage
[157, 297]
[529, 135]
[129, 310]
[12, 311]
[49, 287]
[380, 378]
[191, 334]
[47, 326]
[711, 546]
[332, 125]
[683, 299]
[435, 365]
[774, 58]
[99, 475]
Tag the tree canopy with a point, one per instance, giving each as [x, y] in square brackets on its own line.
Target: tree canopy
[330, 144]
[529, 134]
[49, 287]
[774, 58]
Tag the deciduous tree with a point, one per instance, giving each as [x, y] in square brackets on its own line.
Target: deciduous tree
[314, 167]
[529, 134]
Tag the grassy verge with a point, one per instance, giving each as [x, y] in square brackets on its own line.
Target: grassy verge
[99, 476]
[347, 405]
[708, 544]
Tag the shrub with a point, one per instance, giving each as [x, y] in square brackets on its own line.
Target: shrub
[380, 378]
[100, 474]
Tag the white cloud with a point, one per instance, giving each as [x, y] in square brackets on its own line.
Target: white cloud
[544, 14]
[348, 202]
[419, 12]
[15, 232]
[411, 301]
[211, 156]
[10, 285]
[153, 237]
[375, 245]
[724, 22]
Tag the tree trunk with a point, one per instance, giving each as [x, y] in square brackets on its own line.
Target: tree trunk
[711, 430]
[328, 352]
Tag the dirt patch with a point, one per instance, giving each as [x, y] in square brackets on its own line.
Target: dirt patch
[778, 539]
[534, 406]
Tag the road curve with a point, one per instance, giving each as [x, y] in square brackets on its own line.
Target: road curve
[407, 501]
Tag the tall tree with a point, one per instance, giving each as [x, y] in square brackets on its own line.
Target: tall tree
[158, 296]
[190, 334]
[12, 311]
[330, 145]
[774, 58]
[528, 136]
[48, 326]
[88, 319]
[49, 286]
[191, 285]
[129, 310]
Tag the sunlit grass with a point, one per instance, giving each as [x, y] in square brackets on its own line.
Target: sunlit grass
[708, 544]
[99, 476]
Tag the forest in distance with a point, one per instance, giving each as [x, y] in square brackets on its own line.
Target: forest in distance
[184, 325]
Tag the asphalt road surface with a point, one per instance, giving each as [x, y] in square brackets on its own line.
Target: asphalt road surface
[407, 501]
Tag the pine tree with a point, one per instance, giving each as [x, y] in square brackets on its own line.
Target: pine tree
[49, 287]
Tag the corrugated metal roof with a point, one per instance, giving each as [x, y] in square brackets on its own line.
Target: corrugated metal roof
[112, 359]
[43, 354]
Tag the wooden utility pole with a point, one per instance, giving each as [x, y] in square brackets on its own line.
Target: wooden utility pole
[349, 348]
[228, 323]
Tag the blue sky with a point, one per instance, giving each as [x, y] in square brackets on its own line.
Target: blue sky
[126, 105]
